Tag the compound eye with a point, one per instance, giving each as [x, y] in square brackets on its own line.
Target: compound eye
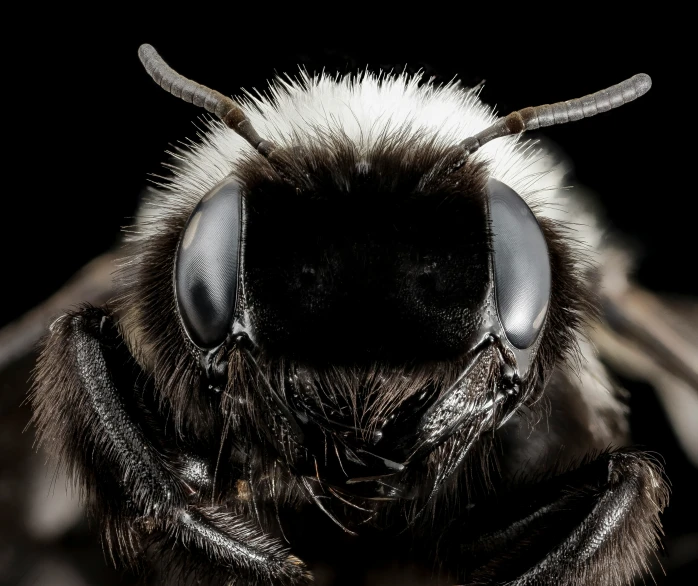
[521, 265]
[207, 265]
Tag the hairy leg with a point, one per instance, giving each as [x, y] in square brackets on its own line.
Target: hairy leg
[594, 525]
[84, 411]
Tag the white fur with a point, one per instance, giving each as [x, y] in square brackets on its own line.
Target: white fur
[365, 107]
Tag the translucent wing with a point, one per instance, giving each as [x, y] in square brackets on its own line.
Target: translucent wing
[91, 284]
[653, 339]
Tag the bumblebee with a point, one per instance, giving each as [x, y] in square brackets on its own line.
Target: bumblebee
[355, 321]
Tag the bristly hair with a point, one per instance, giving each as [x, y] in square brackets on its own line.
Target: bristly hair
[366, 109]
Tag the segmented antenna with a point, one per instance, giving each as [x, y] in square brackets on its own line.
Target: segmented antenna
[562, 112]
[199, 95]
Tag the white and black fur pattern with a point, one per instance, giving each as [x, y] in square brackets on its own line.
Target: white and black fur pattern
[580, 414]
[366, 108]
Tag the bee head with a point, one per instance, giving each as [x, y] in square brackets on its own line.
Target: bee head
[372, 288]
[395, 299]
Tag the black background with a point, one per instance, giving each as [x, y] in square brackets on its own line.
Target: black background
[86, 126]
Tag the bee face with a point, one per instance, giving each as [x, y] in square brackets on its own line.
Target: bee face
[361, 264]
[360, 272]
[371, 297]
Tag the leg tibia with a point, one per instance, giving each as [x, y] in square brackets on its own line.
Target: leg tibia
[595, 525]
[86, 413]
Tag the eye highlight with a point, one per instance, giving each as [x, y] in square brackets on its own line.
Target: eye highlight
[521, 265]
[207, 265]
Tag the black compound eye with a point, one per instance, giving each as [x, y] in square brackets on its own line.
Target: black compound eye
[521, 265]
[206, 268]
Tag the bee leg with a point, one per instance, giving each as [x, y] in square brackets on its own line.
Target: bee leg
[84, 409]
[594, 525]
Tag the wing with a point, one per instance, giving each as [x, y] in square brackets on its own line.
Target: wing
[653, 339]
[91, 284]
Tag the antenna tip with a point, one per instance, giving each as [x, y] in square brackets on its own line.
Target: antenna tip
[145, 51]
[642, 83]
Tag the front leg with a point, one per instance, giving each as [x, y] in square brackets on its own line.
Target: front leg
[82, 408]
[594, 525]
